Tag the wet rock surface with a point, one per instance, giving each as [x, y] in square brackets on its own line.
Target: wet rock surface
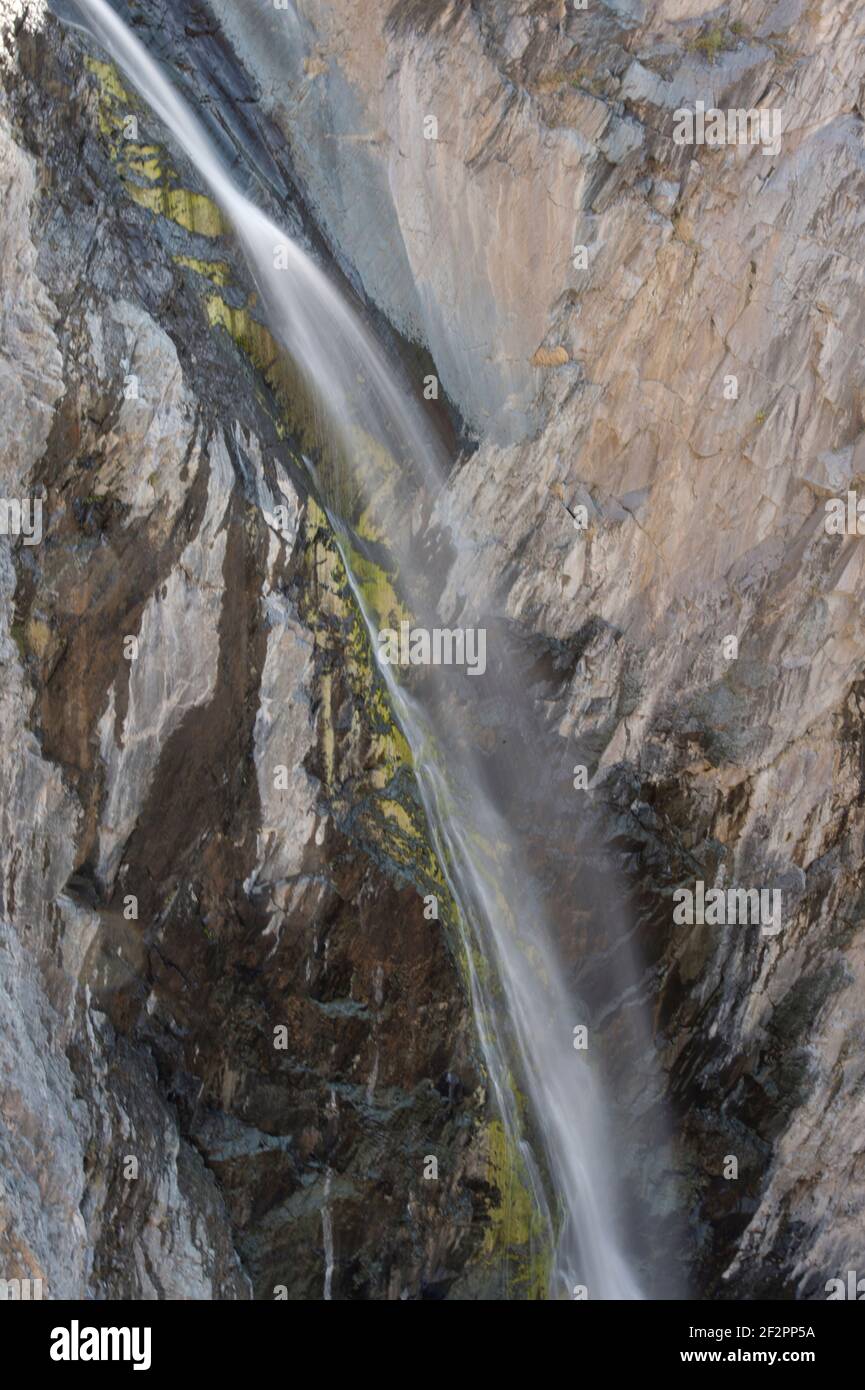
[601, 382]
[228, 1014]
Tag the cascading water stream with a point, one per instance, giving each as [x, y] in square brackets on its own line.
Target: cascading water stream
[523, 1011]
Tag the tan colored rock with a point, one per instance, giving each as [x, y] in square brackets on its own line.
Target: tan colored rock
[550, 357]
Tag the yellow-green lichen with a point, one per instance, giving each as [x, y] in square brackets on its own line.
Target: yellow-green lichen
[264, 353]
[380, 795]
[143, 161]
[217, 272]
[192, 211]
[136, 162]
[515, 1236]
[112, 89]
[377, 587]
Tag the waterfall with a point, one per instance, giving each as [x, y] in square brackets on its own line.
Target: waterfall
[376, 446]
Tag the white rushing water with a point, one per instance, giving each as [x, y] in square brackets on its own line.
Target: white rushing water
[524, 1015]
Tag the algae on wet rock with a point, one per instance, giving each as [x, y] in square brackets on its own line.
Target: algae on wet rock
[516, 1235]
[217, 272]
[145, 170]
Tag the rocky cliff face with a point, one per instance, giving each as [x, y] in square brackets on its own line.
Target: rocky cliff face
[232, 1037]
[210, 827]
